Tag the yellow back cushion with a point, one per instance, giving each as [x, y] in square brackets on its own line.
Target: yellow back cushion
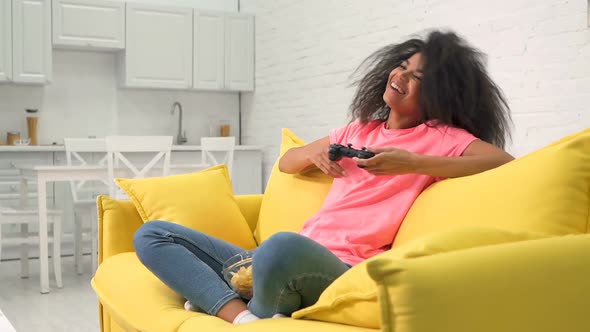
[203, 201]
[545, 192]
[290, 199]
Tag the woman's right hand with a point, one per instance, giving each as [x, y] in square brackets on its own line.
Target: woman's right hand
[312, 155]
[318, 156]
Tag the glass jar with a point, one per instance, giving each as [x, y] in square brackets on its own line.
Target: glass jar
[32, 122]
[12, 137]
[224, 128]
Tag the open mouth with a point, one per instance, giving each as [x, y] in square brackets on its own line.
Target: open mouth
[397, 88]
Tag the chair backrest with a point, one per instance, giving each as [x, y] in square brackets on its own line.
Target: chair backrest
[11, 193]
[82, 152]
[119, 148]
[210, 145]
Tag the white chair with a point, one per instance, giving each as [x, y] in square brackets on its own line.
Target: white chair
[83, 152]
[212, 145]
[23, 216]
[119, 148]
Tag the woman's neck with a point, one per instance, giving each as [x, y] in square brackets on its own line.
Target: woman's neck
[399, 121]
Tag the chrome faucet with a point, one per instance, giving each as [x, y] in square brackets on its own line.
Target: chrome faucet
[181, 136]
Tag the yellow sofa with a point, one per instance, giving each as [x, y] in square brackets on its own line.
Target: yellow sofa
[505, 250]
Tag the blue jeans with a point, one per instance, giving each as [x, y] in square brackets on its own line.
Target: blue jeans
[290, 271]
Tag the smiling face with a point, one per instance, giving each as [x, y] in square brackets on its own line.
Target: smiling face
[402, 93]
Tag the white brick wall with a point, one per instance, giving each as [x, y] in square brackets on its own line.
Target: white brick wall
[539, 54]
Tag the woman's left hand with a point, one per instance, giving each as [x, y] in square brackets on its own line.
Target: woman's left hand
[388, 161]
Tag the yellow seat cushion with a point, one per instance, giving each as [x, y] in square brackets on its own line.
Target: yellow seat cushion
[539, 286]
[352, 298]
[209, 323]
[290, 199]
[203, 201]
[135, 298]
[545, 192]
[138, 301]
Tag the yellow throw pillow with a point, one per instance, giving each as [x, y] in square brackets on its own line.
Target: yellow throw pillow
[290, 199]
[544, 192]
[203, 201]
[352, 298]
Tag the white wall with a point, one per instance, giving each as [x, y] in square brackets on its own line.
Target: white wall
[539, 53]
[84, 100]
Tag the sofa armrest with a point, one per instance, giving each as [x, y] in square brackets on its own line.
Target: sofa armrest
[117, 223]
[538, 285]
[250, 207]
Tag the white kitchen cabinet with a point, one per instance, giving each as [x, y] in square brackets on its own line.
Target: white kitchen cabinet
[223, 51]
[239, 52]
[209, 59]
[31, 41]
[93, 24]
[5, 41]
[159, 51]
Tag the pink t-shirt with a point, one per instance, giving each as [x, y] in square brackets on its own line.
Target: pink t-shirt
[363, 212]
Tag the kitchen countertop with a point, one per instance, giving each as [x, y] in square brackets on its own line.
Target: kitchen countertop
[61, 148]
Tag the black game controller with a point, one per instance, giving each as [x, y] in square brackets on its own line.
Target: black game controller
[337, 151]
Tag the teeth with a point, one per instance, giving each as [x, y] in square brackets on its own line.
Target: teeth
[393, 85]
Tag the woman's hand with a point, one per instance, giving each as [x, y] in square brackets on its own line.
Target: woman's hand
[318, 156]
[312, 155]
[388, 161]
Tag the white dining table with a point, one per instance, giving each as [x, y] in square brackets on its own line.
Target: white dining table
[44, 174]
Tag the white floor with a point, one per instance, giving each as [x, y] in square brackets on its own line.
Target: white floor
[5, 325]
[70, 309]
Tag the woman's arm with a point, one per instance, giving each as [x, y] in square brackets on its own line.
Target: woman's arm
[312, 155]
[478, 157]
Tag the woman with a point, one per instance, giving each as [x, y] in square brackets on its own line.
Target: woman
[426, 108]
